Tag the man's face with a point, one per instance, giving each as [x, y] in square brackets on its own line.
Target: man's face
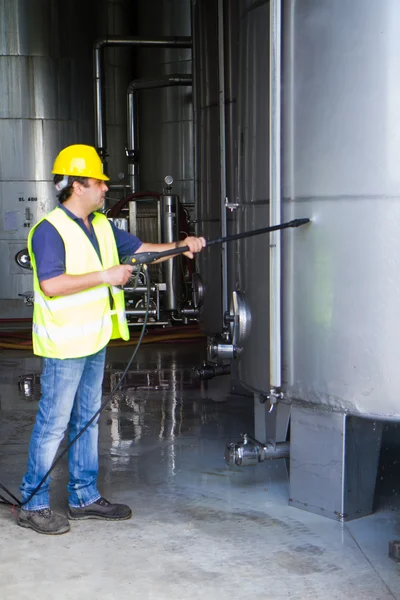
[93, 195]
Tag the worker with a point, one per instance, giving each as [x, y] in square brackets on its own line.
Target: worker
[79, 306]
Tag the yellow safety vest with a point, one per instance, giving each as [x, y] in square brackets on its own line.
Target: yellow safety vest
[79, 324]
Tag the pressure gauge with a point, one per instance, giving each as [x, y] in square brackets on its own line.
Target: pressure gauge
[169, 180]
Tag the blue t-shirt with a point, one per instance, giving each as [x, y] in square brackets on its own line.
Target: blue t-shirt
[49, 250]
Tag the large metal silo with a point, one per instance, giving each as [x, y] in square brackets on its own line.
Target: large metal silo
[340, 292]
[253, 177]
[165, 114]
[41, 110]
[340, 166]
[115, 18]
[46, 77]
[215, 41]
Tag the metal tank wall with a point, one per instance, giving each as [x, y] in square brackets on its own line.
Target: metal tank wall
[253, 182]
[165, 114]
[208, 148]
[114, 18]
[46, 77]
[39, 113]
[341, 148]
[340, 290]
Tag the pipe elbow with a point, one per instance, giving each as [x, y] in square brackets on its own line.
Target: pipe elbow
[99, 44]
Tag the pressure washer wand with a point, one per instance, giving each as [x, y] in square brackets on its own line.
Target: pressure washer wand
[246, 234]
[141, 258]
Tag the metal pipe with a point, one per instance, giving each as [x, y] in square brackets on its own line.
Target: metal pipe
[155, 323]
[251, 452]
[190, 312]
[222, 155]
[275, 200]
[165, 42]
[147, 83]
[139, 312]
[118, 186]
[170, 231]
[195, 121]
[140, 289]
[273, 451]
[144, 84]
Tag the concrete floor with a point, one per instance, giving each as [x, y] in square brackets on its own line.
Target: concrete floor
[200, 529]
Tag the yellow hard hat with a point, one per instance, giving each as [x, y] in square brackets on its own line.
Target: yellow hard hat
[79, 160]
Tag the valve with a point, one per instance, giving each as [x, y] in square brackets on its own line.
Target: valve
[28, 297]
[23, 259]
[250, 452]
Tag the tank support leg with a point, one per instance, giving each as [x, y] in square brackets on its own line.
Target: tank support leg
[333, 463]
[270, 425]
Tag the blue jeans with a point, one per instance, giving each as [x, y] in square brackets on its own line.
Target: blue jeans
[71, 394]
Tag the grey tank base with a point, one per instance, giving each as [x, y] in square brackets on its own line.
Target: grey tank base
[334, 455]
[333, 462]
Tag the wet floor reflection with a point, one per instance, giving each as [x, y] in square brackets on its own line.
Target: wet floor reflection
[161, 408]
[160, 402]
[162, 405]
[164, 411]
[161, 450]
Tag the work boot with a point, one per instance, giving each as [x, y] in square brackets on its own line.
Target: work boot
[43, 521]
[101, 509]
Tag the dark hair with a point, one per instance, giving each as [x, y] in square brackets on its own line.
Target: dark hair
[66, 192]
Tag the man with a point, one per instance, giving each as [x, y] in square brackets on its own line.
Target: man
[75, 253]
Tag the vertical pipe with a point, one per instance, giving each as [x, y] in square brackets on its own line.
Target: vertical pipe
[222, 146]
[275, 199]
[131, 148]
[132, 121]
[171, 272]
[99, 123]
[98, 67]
[195, 123]
[133, 88]
[133, 217]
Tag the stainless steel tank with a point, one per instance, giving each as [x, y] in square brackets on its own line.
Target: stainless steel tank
[39, 114]
[340, 291]
[341, 148]
[215, 41]
[253, 177]
[46, 104]
[165, 114]
[115, 18]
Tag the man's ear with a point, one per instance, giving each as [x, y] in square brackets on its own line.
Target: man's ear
[77, 187]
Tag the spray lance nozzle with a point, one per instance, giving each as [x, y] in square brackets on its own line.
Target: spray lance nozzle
[142, 258]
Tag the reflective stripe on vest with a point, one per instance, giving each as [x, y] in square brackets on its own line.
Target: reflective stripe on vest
[79, 324]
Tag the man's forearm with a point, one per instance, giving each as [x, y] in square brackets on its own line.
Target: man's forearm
[145, 247]
[62, 285]
[194, 244]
